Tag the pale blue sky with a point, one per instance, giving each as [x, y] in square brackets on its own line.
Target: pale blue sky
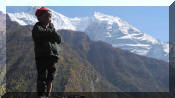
[84, 3]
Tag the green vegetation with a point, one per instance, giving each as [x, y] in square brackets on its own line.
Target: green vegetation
[2, 90]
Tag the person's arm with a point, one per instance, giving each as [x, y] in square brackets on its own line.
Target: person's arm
[56, 36]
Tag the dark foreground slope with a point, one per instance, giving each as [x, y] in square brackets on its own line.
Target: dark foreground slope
[125, 70]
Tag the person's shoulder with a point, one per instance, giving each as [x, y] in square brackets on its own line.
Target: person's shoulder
[35, 27]
[37, 23]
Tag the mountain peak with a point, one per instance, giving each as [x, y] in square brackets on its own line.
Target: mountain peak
[32, 9]
[102, 16]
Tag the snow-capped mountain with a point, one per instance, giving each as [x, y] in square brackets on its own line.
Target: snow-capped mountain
[104, 27]
[28, 17]
[120, 34]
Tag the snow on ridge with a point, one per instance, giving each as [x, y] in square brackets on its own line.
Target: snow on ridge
[105, 17]
[150, 38]
[81, 23]
[28, 17]
[165, 47]
[140, 45]
[22, 18]
[124, 27]
[62, 22]
[31, 10]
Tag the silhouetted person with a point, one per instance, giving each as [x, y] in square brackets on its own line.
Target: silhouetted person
[47, 49]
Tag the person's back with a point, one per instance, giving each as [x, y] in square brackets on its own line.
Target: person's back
[47, 50]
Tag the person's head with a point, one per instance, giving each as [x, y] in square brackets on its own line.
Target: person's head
[43, 15]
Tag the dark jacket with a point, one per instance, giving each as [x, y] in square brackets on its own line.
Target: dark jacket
[46, 41]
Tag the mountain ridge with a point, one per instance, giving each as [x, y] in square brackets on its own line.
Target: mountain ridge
[110, 29]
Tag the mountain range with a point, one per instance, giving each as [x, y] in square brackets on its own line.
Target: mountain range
[107, 28]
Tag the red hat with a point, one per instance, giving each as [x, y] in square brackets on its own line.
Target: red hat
[38, 11]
